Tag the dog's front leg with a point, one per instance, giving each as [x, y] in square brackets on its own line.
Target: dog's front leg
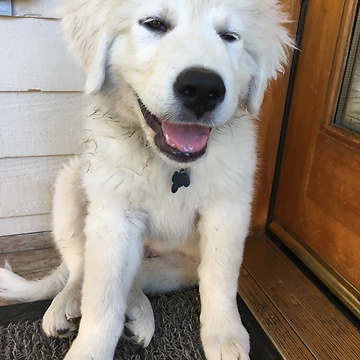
[223, 228]
[113, 252]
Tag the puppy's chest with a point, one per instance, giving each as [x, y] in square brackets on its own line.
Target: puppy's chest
[171, 218]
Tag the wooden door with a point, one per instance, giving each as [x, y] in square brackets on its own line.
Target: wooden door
[317, 203]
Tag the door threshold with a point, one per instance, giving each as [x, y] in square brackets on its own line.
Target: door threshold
[298, 318]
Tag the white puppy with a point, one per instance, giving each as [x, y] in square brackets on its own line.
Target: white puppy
[168, 167]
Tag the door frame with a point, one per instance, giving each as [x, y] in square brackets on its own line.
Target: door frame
[345, 291]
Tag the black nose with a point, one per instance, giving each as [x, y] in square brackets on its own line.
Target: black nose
[200, 90]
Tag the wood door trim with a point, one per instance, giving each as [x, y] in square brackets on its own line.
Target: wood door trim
[336, 76]
[317, 86]
[270, 120]
[310, 91]
[347, 293]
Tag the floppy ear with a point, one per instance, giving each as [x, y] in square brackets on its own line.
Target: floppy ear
[96, 66]
[88, 39]
[256, 92]
[269, 54]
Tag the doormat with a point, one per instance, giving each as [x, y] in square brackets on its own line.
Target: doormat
[177, 334]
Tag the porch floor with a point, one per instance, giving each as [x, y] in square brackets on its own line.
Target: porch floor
[294, 313]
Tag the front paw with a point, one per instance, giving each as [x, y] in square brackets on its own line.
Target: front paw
[63, 316]
[226, 344]
[139, 324]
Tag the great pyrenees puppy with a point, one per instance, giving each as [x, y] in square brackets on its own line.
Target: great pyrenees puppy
[160, 199]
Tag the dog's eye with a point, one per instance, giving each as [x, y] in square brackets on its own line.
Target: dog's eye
[155, 25]
[229, 36]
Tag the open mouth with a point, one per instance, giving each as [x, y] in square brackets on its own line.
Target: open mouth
[179, 142]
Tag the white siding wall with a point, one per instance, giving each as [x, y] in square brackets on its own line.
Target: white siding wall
[41, 108]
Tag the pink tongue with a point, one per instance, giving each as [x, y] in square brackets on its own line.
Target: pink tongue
[185, 138]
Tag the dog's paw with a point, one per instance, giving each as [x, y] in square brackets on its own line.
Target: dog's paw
[63, 316]
[139, 324]
[227, 345]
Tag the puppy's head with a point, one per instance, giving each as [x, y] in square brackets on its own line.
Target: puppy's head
[186, 66]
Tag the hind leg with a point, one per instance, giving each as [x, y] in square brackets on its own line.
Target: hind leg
[167, 273]
[168, 270]
[69, 214]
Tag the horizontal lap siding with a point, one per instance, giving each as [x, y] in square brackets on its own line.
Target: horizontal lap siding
[49, 9]
[28, 184]
[25, 225]
[42, 123]
[33, 56]
[42, 108]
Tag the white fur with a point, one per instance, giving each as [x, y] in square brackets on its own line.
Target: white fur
[115, 197]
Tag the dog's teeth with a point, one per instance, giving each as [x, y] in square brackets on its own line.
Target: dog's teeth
[167, 139]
